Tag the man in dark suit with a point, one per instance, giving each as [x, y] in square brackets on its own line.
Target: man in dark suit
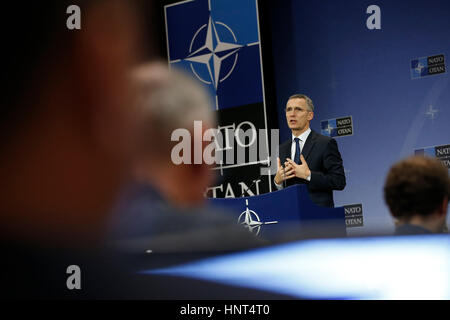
[309, 157]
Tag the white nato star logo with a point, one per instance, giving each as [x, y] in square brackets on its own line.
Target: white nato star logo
[419, 68]
[328, 129]
[213, 53]
[431, 112]
[246, 219]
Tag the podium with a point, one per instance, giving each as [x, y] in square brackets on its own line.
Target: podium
[270, 214]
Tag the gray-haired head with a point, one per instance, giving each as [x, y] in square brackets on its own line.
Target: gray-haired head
[169, 100]
[308, 100]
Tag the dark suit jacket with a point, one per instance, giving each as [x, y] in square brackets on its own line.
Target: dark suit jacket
[325, 162]
[144, 219]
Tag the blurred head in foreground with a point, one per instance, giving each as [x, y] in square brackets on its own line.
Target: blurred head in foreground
[417, 191]
[169, 103]
[68, 121]
[164, 208]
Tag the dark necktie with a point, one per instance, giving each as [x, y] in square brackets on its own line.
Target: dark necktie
[297, 151]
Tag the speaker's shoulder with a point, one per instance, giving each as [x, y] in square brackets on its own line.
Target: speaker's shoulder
[320, 137]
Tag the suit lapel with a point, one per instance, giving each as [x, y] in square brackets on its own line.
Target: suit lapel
[309, 144]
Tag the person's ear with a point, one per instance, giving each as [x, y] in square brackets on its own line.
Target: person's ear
[444, 206]
[310, 115]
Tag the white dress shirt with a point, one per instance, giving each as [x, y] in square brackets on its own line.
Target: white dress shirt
[302, 141]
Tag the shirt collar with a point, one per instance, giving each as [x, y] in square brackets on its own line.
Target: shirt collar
[303, 136]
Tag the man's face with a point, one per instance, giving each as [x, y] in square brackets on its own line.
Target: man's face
[298, 115]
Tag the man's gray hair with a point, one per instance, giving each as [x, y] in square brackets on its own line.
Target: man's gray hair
[308, 100]
[173, 98]
[169, 100]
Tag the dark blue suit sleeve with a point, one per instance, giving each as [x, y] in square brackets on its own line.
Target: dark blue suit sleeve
[333, 176]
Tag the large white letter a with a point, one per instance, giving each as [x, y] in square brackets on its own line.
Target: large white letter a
[374, 21]
[74, 20]
[74, 280]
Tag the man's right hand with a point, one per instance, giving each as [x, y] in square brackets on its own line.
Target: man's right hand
[284, 173]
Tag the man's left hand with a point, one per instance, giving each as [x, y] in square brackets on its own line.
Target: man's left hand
[301, 170]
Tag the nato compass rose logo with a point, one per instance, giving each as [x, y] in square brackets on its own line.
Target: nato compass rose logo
[250, 220]
[213, 52]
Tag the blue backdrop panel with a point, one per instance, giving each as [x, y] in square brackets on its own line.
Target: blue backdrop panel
[198, 30]
[218, 43]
